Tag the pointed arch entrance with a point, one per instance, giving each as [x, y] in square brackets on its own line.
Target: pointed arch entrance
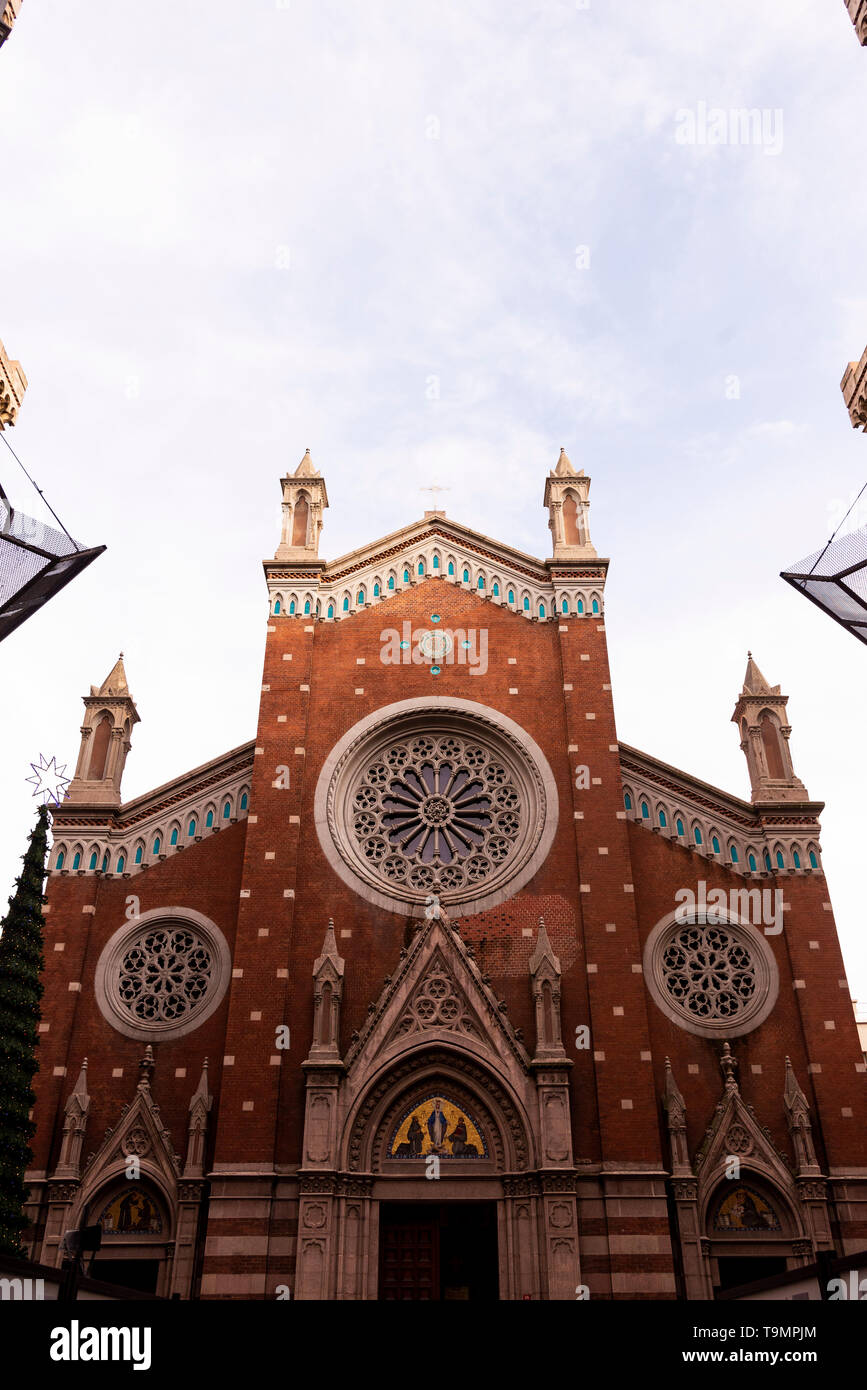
[437, 1130]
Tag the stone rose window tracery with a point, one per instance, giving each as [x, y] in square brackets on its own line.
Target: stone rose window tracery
[436, 813]
[709, 972]
[163, 974]
[713, 974]
[445, 797]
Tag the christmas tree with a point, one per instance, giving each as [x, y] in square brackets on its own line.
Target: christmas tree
[21, 962]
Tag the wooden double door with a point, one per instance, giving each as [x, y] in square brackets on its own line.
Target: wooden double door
[434, 1251]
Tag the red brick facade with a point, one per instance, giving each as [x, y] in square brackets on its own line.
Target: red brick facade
[599, 1208]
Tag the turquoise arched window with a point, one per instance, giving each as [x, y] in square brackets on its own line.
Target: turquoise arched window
[360, 598]
[541, 610]
[734, 853]
[276, 605]
[406, 576]
[209, 820]
[596, 605]
[564, 606]
[138, 854]
[157, 844]
[752, 863]
[421, 566]
[391, 581]
[243, 801]
[481, 583]
[466, 576]
[227, 810]
[60, 858]
[663, 822]
[291, 608]
[715, 845]
[796, 859]
[496, 590]
[121, 864]
[511, 596]
[76, 863]
[814, 863]
[376, 591]
[697, 834]
[451, 568]
[307, 605]
[191, 828]
[174, 836]
[105, 862]
[645, 812]
[92, 864]
[580, 605]
[780, 861]
[346, 605]
[526, 604]
[679, 826]
[331, 610]
[627, 801]
[766, 860]
[436, 562]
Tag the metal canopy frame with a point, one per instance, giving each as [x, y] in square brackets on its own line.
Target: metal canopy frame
[835, 579]
[36, 562]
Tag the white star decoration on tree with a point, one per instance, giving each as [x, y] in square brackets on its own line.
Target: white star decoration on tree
[49, 781]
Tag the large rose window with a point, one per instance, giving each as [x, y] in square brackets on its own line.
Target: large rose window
[436, 802]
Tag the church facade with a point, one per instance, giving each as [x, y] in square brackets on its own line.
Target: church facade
[436, 989]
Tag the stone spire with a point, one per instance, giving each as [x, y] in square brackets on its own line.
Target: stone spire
[109, 717]
[729, 1068]
[304, 499]
[567, 496]
[74, 1123]
[13, 382]
[327, 995]
[798, 1120]
[760, 714]
[675, 1113]
[545, 978]
[200, 1106]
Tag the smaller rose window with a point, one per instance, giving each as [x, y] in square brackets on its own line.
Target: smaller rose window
[165, 974]
[708, 972]
[714, 977]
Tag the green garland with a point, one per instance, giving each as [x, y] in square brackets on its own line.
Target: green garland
[21, 963]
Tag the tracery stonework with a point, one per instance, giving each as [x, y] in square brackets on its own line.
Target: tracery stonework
[444, 800]
[437, 1003]
[165, 974]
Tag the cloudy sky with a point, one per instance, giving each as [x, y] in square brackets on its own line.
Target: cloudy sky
[435, 243]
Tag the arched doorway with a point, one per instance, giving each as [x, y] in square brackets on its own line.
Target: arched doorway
[136, 1237]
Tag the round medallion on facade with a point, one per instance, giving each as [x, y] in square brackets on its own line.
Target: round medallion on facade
[711, 973]
[163, 974]
[437, 796]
